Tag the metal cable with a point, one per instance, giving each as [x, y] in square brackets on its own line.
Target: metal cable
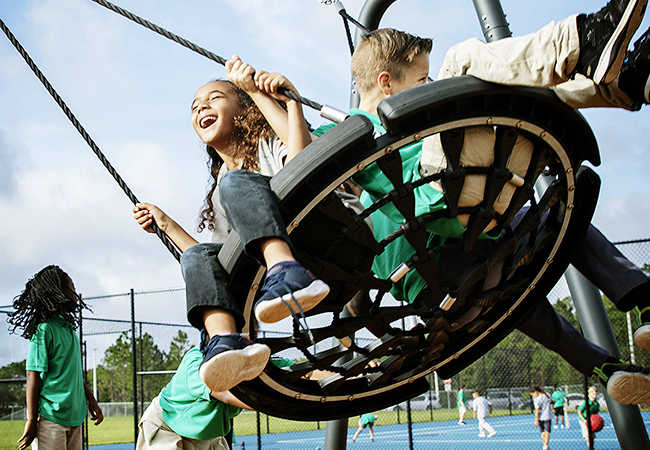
[163, 237]
[200, 50]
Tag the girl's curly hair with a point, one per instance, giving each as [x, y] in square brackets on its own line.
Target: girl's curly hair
[45, 295]
[249, 128]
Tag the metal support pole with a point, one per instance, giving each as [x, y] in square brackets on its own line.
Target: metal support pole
[134, 361]
[369, 17]
[492, 19]
[336, 431]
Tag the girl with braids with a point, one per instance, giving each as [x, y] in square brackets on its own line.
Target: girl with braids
[243, 127]
[48, 313]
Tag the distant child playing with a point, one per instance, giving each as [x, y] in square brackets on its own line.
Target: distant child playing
[47, 312]
[543, 415]
[244, 152]
[558, 397]
[482, 407]
[366, 420]
[462, 405]
[594, 408]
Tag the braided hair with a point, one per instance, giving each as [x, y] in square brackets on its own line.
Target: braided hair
[45, 295]
[249, 128]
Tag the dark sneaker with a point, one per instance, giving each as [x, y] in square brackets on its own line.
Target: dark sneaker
[228, 360]
[642, 333]
[626, 383]
[605, 36]
[289, 289]
[634, 79]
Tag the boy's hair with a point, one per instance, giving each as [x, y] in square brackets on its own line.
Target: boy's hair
[536, 389]
[385, 49]
[249, 128]
[476, 391]
[44, 296]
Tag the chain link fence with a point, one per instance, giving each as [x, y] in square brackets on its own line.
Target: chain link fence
[124, 348]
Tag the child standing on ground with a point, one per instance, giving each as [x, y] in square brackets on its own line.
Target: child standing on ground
[594, 408]
[482, 408]
[462, 405]
[57, 398]
[558, 397]
[366, 420]
[542, 413]
[243, 151]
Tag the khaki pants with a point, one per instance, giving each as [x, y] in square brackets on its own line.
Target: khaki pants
[154, 434]
[542, 59]
[478, 150]
[52, 436]
[545, 58]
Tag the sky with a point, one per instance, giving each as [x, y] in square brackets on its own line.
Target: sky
[132, 89]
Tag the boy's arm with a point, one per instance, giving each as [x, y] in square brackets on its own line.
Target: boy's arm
[93, 406]
[32, 396]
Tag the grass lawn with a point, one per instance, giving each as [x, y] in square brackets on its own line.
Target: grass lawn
[118, 430]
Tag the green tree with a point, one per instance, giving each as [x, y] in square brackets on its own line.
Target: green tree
[177, 349]
[12, 394]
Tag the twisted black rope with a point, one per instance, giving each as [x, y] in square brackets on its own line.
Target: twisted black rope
[163, 237]
[200, 50]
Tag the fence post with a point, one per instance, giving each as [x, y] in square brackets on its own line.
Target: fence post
[134, 360]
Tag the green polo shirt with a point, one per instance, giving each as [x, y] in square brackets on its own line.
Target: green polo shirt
[388, 219]
[558, 398]
[462, 399]
[594, 408]
[367, 418]
[55, 353]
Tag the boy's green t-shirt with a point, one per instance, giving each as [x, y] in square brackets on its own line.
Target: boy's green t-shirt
[558, 398]
[188, 408]
[375, 184]
[55, 353]
[388, 219]
[594, 408]
[367, 418]
[461, 398]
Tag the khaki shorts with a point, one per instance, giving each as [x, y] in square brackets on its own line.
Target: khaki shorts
[478, 150]
[154, 434]
[52, 436]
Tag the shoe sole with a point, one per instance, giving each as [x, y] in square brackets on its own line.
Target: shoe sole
[642, 337]
[272, 311]
[491, 434]
[228, 369]
[629, 388]
[611, 60]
